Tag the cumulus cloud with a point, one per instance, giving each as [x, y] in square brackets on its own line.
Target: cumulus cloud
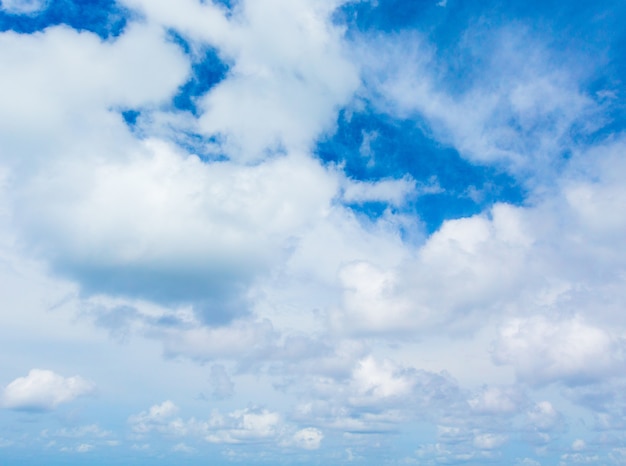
[245, 425]
[274, 98]
[44, 390]
[469, 264]
[497, 400]
[375, 396]
[157, 417]
[245, 251]
[489, 441]
[569, 350]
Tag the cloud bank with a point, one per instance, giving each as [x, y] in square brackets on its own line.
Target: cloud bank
[322, 230]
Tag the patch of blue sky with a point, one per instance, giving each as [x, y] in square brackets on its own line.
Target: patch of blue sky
[228, 4]
[207, 70]
[373, 146]
[583, 30]
[106, 18]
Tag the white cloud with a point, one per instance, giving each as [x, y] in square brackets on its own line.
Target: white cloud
[376, 380]
[568, 350]
[91, 430]
[191, 230]
[375, 396]
[287, 78]
[245, 425]
[84, 448]
[497, 400]
[519, 107]
[544, 417]
[467, 266]
[68, 111]
[280, 275]
[489, 441]
[155, 417]
[43, 390]
[23, 7]
[394, 192]
[309, 438]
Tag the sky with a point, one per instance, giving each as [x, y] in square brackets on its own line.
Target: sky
[280, 232]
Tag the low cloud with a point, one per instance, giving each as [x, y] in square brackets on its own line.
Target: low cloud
[43, 390]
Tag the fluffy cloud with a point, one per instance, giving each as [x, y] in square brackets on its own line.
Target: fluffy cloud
[43, 390]
[497, 400]
[569, 350]
[242, 250]
[193, 233]
[236, 427]
[287, 78]
[374, 396]
[468, 265]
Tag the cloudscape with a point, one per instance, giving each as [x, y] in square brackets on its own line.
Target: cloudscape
[305, 232]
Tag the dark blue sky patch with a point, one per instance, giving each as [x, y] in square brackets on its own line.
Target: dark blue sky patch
[373, 146]
[130, 117]
[207, 69]
[102, 17]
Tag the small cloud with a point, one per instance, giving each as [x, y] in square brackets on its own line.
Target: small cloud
[23, 7]
[392, 191]
[309, 438]
[489, 441]
[84, 448]
[43, 390]
[156, 416]
[442, 3]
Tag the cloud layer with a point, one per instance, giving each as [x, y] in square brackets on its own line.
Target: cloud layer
[322, 230]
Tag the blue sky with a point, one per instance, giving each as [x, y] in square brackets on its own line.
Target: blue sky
[312, 232]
